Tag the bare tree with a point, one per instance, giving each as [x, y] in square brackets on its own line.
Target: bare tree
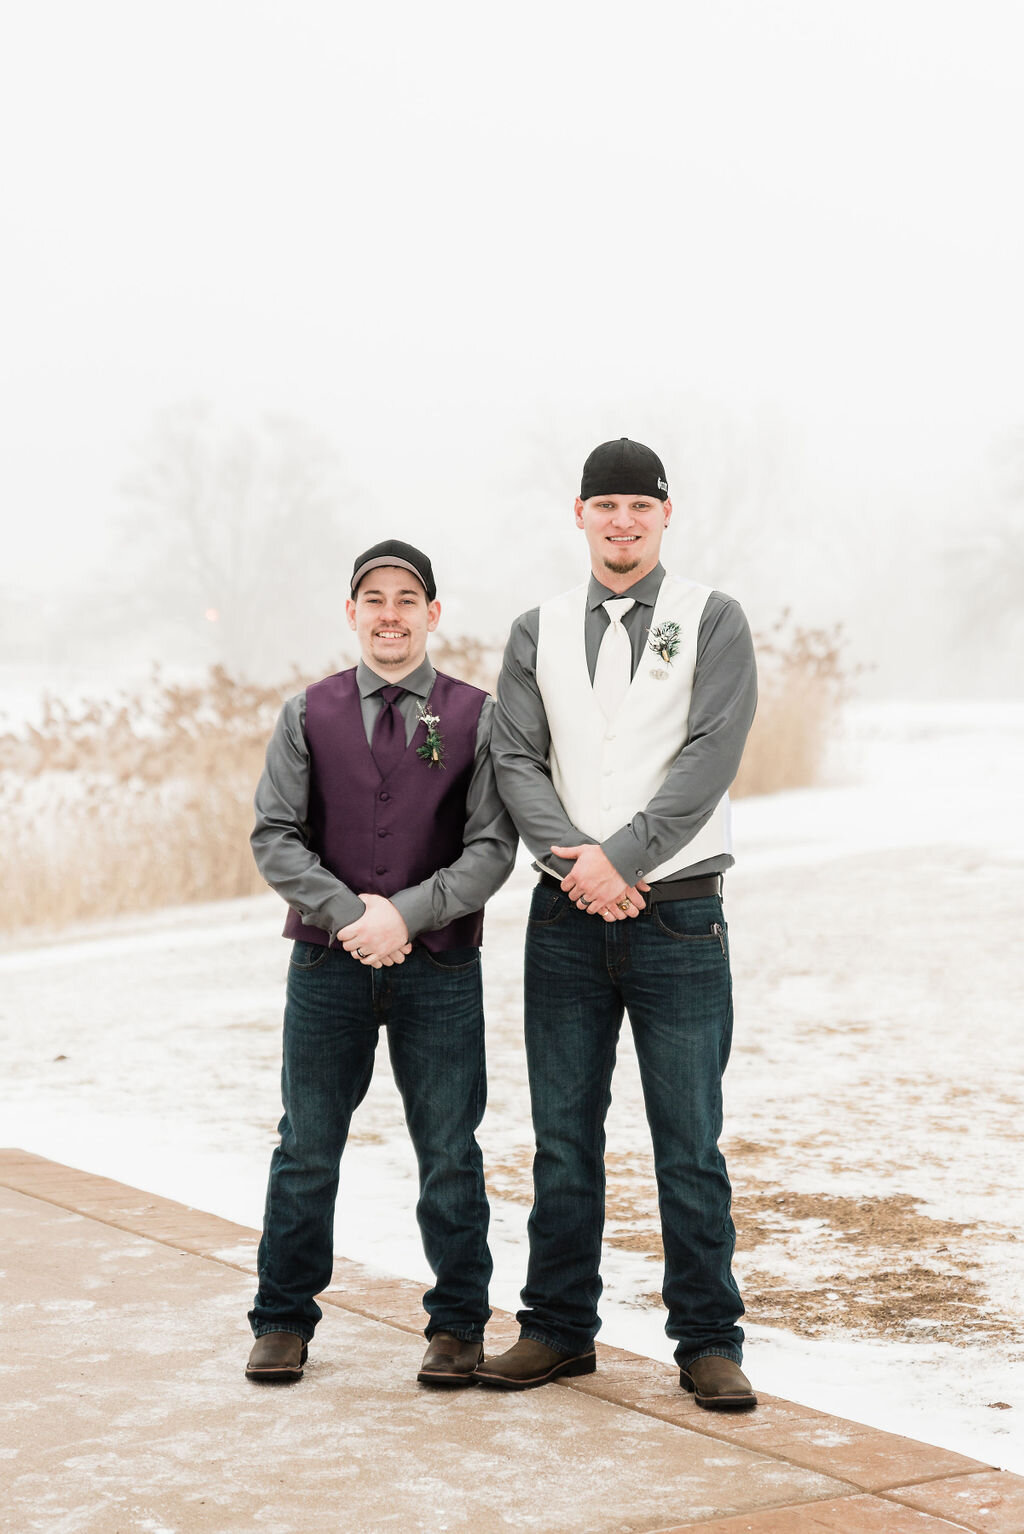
[239, 532]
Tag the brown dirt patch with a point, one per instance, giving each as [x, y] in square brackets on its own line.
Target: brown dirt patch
[914, 1303]
[819, 1264]
[891, 1221]
[512, 1179]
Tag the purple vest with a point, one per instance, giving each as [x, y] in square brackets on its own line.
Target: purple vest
[379, 834]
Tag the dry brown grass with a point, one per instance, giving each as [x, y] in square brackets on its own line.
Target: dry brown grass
[472, 660]
[803, 681]
[132, 803]
[145, 800]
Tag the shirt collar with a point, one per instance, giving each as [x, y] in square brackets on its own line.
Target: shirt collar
[645, 590]
[419, 681]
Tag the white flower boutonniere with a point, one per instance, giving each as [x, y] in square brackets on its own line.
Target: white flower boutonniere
[432, 750]
[664, 641]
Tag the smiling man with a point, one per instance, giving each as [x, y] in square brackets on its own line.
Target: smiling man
[623, 708]
[378, 821]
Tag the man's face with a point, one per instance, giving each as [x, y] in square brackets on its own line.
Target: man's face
[623, 532]
[392, 618]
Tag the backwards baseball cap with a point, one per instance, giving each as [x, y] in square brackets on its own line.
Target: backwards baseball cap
[394, 552]
[623, 467]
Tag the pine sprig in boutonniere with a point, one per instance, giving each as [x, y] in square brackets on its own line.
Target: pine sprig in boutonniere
[664, 641]
[432, 750]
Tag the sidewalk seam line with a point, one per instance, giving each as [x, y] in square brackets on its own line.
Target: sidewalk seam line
[703, 1523]
[765, 1507]
[865, 1491]
[884, 1492]
[410, 1331]
[176, 1246]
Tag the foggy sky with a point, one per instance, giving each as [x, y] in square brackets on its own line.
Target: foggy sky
[465, 244]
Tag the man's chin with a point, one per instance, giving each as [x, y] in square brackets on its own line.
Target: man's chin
[622, 566]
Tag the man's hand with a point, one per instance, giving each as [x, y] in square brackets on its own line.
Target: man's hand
[596, 885]
[378, 937]
[383, 960]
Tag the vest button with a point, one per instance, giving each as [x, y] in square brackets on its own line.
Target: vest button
[385, 797]
[382, 833]
[381, 870]
[610, 735]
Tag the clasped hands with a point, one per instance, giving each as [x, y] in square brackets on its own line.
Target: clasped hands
[379, 937]
[596, 886]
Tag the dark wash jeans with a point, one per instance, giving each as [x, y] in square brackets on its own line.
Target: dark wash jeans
[669, 970]
[432, 1009]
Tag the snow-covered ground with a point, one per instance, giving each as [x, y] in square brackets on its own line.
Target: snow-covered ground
[874, 1097]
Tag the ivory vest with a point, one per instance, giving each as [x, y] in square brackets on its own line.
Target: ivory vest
[605, 771]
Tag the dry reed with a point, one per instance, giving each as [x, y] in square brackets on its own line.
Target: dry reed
[803, 681]
[130, 804]
[146, 800]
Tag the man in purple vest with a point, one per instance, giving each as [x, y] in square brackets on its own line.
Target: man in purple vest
[378, 821]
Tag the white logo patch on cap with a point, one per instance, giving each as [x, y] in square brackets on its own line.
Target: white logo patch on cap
[662, 485]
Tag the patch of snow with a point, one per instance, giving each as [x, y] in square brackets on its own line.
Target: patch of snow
[878, 1053]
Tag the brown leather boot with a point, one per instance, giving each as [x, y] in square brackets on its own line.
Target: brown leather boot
[276, 1359]
[449, 1362]
[528, 1363]
[718, 1384]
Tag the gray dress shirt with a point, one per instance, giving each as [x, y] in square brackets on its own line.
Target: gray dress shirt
[280, 838]
[721, 710]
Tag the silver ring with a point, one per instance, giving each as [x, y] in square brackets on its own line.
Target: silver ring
[360, 954]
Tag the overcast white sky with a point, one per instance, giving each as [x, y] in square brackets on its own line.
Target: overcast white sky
[433, 230]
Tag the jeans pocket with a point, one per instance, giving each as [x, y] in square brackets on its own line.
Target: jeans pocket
[452, 959]
[309, 955]
[692, 921]
[548, 906]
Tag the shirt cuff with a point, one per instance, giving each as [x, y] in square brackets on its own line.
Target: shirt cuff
[627, 856]
[415, 908]
[337, 913]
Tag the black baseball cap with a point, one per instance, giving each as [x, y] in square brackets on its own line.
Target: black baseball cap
[394, 552]
[623, 467]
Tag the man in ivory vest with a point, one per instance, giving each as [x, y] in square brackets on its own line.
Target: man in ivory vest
[623, 707]
[378, 821]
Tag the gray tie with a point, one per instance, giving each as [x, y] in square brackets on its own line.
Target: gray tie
[614, 670]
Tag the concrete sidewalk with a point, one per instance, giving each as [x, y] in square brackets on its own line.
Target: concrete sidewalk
[126, 1410]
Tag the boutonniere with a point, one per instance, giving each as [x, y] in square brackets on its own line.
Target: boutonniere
[664, 641]
[432, 750]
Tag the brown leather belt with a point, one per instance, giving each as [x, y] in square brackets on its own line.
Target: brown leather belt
[669, 889]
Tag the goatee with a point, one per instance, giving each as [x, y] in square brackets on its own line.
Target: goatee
[622, 566]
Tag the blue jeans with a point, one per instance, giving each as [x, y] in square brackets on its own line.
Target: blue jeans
[669, 969]
[432, 1009]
